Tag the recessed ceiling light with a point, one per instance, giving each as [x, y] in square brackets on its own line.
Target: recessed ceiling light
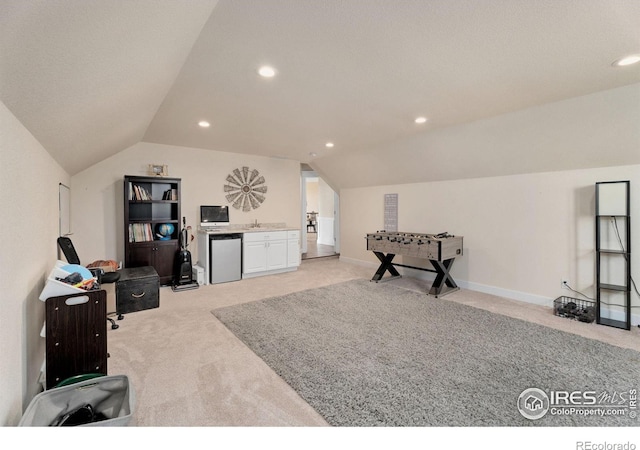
[267, 71]
[329, 145]
[420, 120]
[204, 124]
[626, 61]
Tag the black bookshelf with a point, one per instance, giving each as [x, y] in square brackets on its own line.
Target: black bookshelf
[150, 202]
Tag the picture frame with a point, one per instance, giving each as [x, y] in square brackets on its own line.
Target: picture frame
[159, 170]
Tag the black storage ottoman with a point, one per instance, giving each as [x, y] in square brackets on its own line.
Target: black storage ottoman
[137, 289]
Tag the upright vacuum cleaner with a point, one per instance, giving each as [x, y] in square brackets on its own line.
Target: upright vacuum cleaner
[183, 275]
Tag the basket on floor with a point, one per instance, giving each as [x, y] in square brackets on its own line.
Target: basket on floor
[575, 308]
[96, 401]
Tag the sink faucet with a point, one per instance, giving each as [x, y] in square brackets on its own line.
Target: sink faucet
[256, 224]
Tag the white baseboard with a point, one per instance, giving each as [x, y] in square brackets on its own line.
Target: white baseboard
[358, 262]
[493, 290]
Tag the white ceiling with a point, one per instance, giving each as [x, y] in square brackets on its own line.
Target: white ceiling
[91, 78]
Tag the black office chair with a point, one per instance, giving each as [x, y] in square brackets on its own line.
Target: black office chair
[72, 257]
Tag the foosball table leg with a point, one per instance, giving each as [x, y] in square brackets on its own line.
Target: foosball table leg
[443, 278]
[385, 265]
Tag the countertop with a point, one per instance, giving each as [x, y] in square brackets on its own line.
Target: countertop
[262, 228]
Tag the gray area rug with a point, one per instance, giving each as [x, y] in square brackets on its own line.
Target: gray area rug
[374, 354]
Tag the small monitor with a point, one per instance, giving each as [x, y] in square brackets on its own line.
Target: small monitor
[214, 216]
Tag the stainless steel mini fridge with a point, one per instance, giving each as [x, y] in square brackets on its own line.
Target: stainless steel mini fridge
[226, 258]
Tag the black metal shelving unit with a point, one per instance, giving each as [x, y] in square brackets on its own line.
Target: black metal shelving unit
[613, 254]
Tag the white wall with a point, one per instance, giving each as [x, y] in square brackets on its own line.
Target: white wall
[312, 195]
[522, 233]
[98, 197]
[29, 180]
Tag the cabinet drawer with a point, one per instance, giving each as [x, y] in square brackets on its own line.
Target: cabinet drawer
[137, 295]
[293, 234]
[264, 236]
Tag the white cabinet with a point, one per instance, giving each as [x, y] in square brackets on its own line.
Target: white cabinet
[264, 251]
[293, 248]
[276, 254]
[254, 256]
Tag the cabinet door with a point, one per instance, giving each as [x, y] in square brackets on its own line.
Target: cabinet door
[254, 257]
[276, 254]
[140, 254]
[164, 258]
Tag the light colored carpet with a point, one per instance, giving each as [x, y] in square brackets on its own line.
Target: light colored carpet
[368, 354]
[188, 369]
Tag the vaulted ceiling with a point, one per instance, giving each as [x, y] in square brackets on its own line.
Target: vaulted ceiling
[91, 78]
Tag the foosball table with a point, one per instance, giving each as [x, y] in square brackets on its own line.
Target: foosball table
[440, 249]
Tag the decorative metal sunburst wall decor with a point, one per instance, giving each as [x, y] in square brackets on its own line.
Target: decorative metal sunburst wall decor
[245, 189]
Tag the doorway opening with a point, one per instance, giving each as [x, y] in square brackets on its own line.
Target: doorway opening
[320, 207]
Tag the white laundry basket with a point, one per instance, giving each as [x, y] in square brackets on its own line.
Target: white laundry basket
[110, 397]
